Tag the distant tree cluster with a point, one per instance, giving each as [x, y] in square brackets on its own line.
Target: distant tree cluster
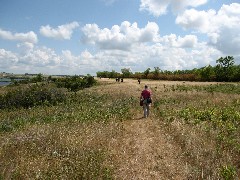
[75, 83]
[27, 80]
[72, 83]
[225, 70]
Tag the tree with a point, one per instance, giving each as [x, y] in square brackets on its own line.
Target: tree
[113, 74]
[38, 78]
[235, 76]
[126, 72]
[146, 72]
[224, 68]
[49, 78]
[207, 73]
[103, 74]
[138, 75]
[156, 72]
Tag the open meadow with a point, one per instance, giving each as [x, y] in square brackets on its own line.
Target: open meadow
[193, 132]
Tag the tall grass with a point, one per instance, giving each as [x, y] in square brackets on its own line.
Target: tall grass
[205, 121]
[65, 140]
[84, 107]
[70, 139]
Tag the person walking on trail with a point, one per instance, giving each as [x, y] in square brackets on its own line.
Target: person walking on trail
[146, 100]
[139, 80]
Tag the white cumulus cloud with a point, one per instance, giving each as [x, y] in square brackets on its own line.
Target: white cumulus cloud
[29, 37]
[40, 57]
[61, 32]
[188, 41]
[7, 58]
[80, 64]
[222, 27]
[197, 20]
[160, 7]
[121, 37]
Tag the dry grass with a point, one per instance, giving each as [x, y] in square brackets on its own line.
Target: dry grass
[115, 142]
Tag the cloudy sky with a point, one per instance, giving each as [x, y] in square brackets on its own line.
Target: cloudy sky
[86, 36]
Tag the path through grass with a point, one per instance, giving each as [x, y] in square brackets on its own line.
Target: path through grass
[99, 133]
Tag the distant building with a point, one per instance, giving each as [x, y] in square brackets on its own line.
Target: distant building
[5, 74]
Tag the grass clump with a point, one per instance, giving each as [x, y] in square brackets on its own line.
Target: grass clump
[228, 172]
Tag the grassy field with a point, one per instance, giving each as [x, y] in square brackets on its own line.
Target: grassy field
[193, 132]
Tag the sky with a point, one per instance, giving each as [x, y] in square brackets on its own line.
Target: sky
[79, 37]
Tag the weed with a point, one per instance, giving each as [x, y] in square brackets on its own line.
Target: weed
[228, 172]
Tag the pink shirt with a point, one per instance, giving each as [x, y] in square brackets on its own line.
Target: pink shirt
[146, 94]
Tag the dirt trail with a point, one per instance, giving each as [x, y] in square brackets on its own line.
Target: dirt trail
[145, 151]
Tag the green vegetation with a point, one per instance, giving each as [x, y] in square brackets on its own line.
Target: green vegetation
[45, 153]
[212, 111]
[75, 83]
[85, 107]
[26, 80]
[228, 172]
[59, 129]
[33, 95]
[224, 88]
[225, 70]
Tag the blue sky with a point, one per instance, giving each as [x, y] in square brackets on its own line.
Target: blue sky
[83, 37]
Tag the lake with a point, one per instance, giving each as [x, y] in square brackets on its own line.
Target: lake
[4, 83]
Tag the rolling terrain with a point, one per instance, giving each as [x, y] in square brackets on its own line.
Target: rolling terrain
[192, 133]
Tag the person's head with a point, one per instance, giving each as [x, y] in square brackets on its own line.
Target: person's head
[146, 86]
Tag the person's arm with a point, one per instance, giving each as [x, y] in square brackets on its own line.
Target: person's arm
[141, 97]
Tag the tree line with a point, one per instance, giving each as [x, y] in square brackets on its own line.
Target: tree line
[225, 70]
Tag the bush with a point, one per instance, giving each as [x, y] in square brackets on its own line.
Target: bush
[32, 96]
[76, 83]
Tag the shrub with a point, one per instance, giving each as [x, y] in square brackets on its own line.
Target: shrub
[32, 96]
[76, 83]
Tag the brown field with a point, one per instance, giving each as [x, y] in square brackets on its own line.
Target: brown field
[153, 149]
[159, 147]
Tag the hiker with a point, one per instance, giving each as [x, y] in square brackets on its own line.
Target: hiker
[139, 80]
[146, 100]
